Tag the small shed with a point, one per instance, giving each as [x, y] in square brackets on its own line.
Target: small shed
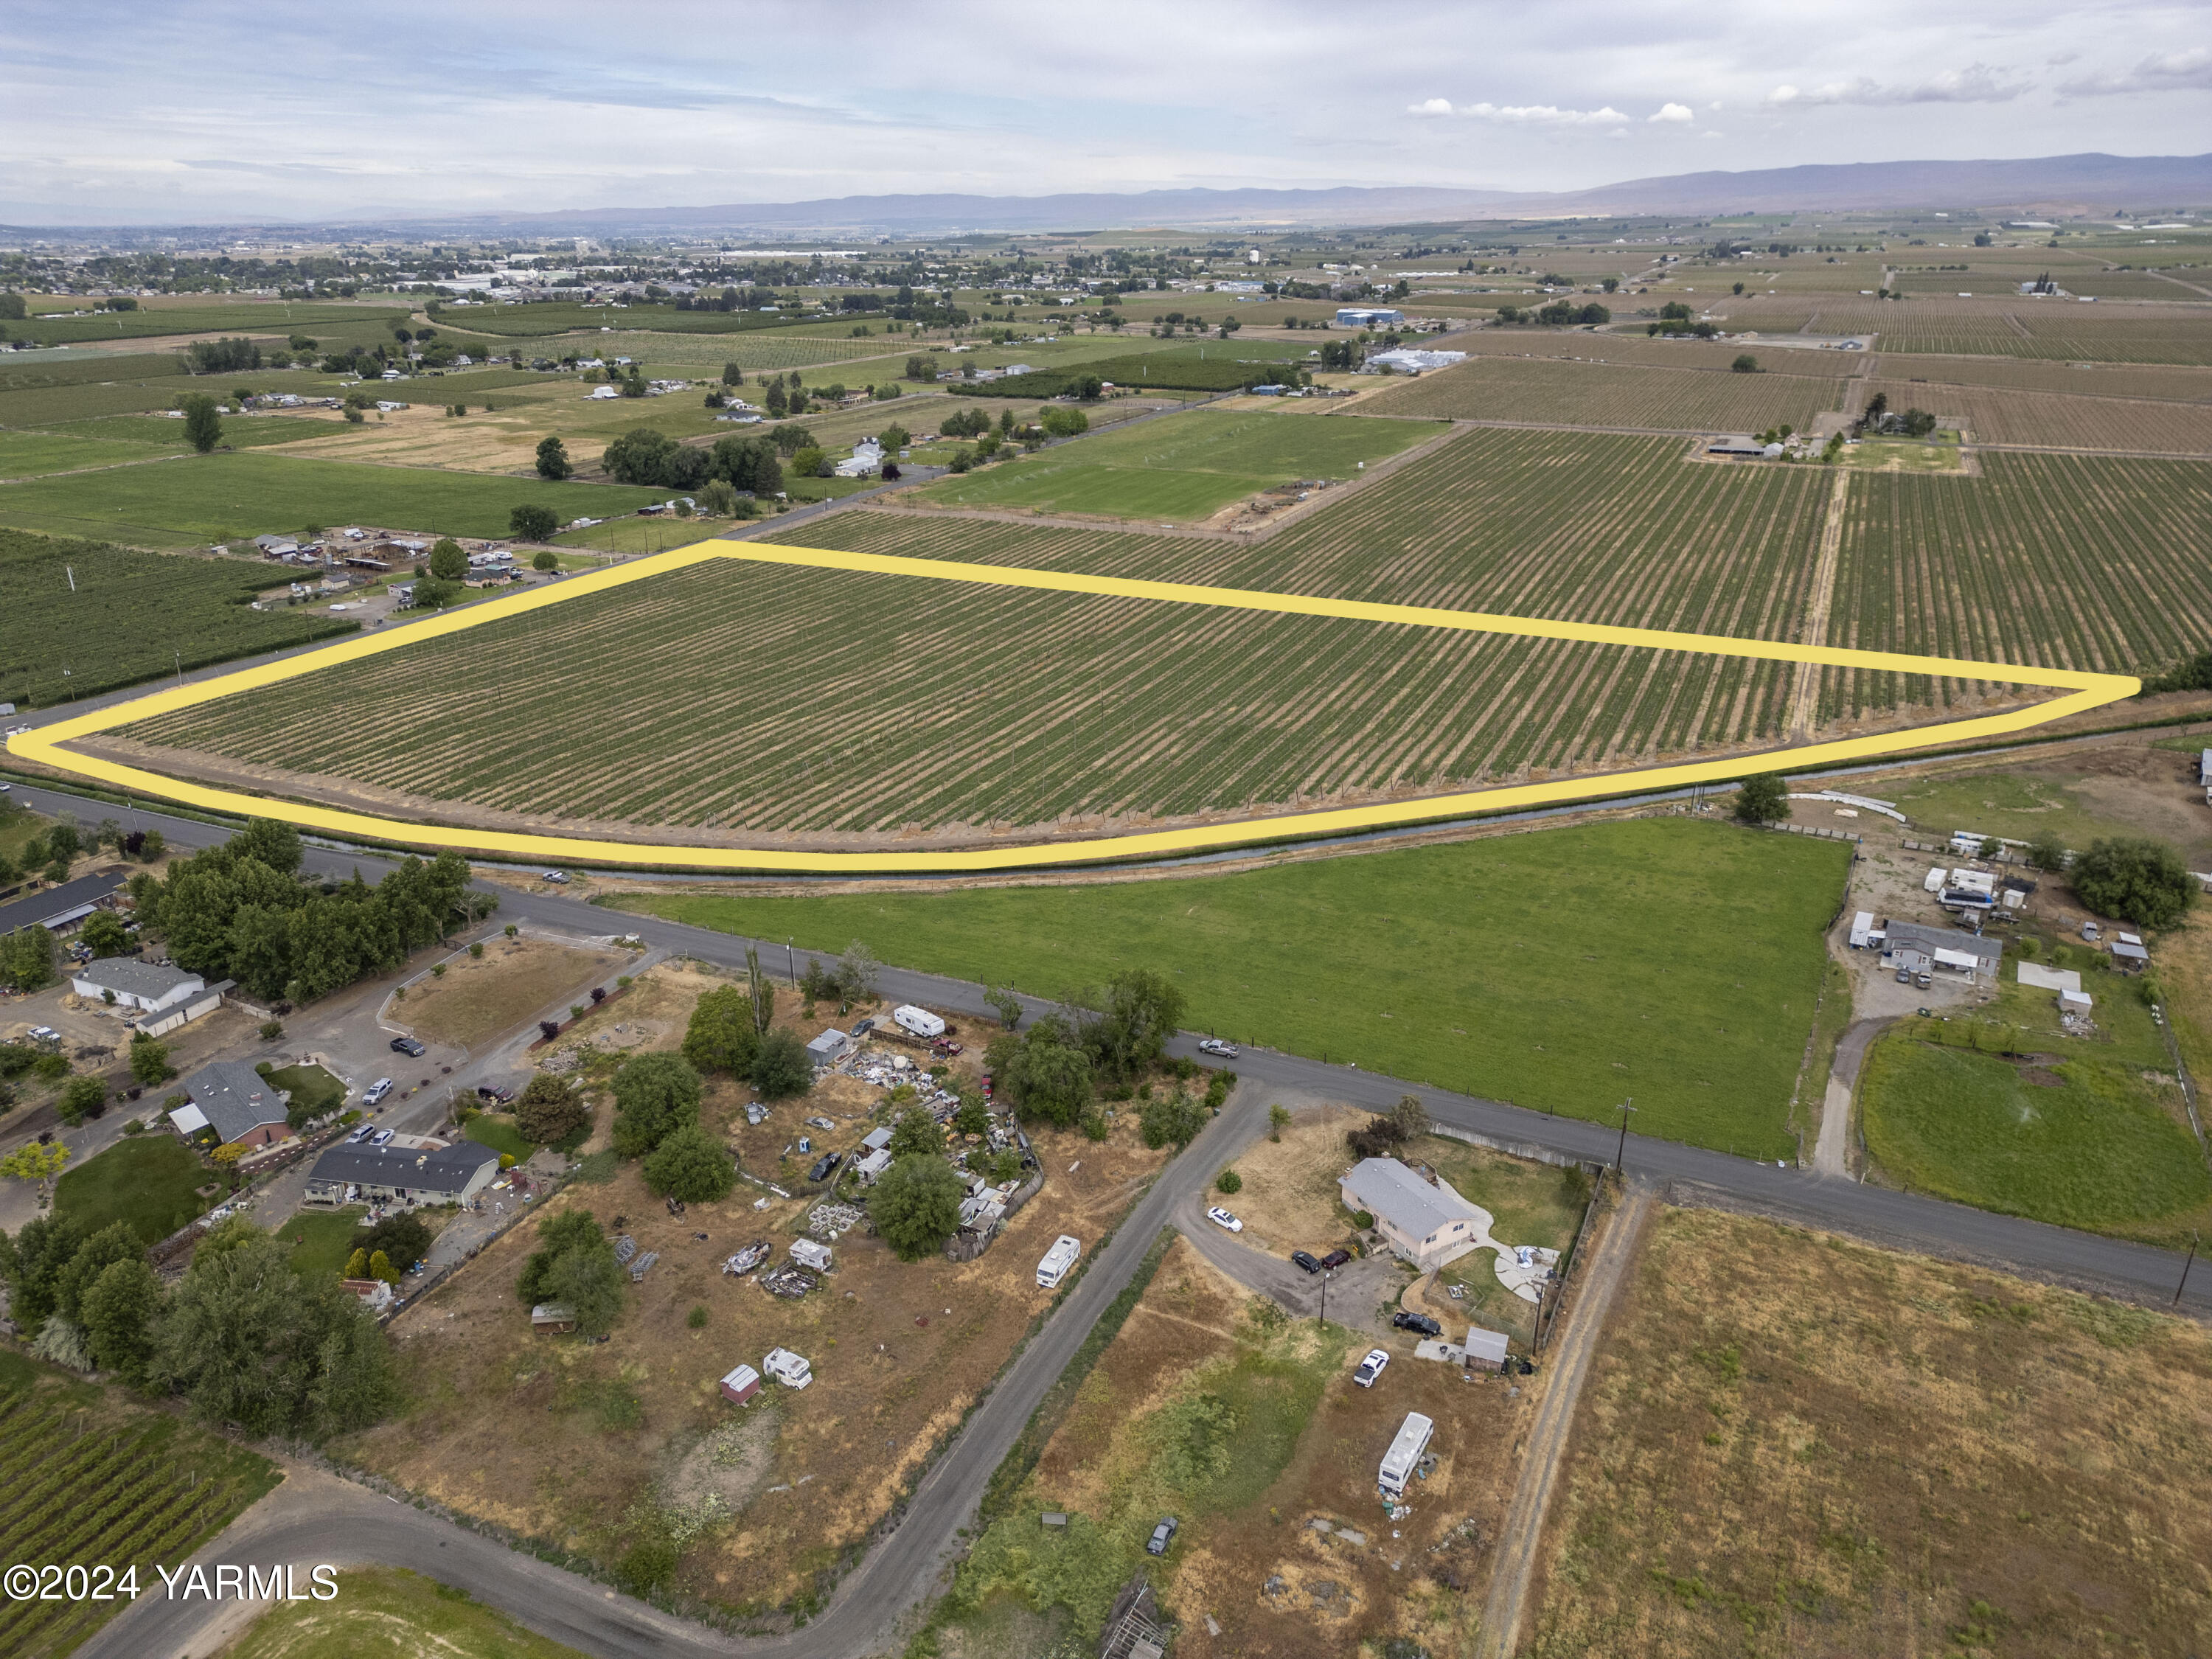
[877, 1140]
[2074, 1002]
[555, 1317]
[741, 1385]
[2130, 958]
[870, 1168]
[1485, 1350]
[808, 1253]
[1054, 1518]
[825, 1049]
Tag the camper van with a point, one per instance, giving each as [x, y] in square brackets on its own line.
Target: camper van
[1058, 1260]
[920, 1021]
[1405, 1452]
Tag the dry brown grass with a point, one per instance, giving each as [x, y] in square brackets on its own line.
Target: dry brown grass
[1289, 1199]
[1793, 1444]
[479, 998]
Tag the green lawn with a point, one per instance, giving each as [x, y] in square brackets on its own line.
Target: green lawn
[2083, 1136]
[380, 1612]
[1669, 960]
[27, 454]
[500, 1135]
[310, 1086]
[1183, 466]
[146, 1180]
[321, 1240]
[217, 496]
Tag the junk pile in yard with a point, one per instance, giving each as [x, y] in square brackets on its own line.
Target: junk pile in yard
[827, 1219]
[642, 1265]
[625, 1248]
[747, 1259]
[789, 1282]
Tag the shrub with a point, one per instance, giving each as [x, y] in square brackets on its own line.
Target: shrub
[2144, 882]
[1762, 799]
[1175, 1117]
[696, 1319]
[783, 1067]
[1229, 1181]
[692, 1166]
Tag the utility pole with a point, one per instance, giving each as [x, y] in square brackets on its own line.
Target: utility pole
[791, 958]
[1325, 1277]
[1621, 1151]
[2185, 1267]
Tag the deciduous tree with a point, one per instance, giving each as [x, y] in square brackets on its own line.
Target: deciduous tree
[655, 1095]
[532, 523]
[550, 1109]
[2142, 881]
[553, 458]
[203, 426]
[722, 1035]
[782, 1068]
[1762, 799]
[691, 1165]
[915, 1205]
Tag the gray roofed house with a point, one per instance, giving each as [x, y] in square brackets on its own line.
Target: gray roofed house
[60, 909]
[405, 1175]
[136, 983]
[236, 1102]
[1428, 1223]
[1911, 935]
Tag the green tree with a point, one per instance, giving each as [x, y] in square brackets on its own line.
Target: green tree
[530, 523]
[119, 1311]
[1005, 1005]
[449, 561]
[782, 1068]
[2144, 882]
[811, 462]
[1278, 1119]
[655, 1095]
[1411, 1116]
[557, 1235]
[731, 375]
[1172, 1117]
[717, 499]
[1763, 798]
[117, 1242]
[203, 426]
[916, 1134]
[589, 1284]
[723, 1035]
[81, 1097]
[403, 1237]
[1745, 363]
[26, 958]
[380, 1267]
[149, 1060]
[1139, 1010]
[691, 1166]
[553, 460]
[1229, 1181]
[544, 560]
[973, 1117]
[102, 934]
[2047, 852]
[1044, 1075]
[36, 1257]
[549, 1110]
[356, 1265]
[915, 1205]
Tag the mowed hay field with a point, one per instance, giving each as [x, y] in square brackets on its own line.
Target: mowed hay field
[1794, 1445]
[2056, 560]
[1091, 708]
[1565, 393]
[2009, 416]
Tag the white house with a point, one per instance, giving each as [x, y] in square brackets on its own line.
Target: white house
[867, 456]
[1427, 1222]
[134, 984]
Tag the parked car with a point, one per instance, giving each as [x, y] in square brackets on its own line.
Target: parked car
[1335, 1259]
[45, 1034]
[376, 1092]
[1221, 1218]
[494, 1093]
[409, 1047]
[1370, 1368]
[823, 1166]
[1413, 1322]
[381, 1138]
[559, 877]
[360, 1134]
[1216, 1046]
[1163, 1536]
[1305, 1260]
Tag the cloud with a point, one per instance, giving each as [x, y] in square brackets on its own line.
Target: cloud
[1431, 106]
[1544, 115]
[1675, 113]
[1977, 83]
[2162, 71]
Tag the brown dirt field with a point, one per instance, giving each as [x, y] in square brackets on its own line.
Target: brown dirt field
[479, 998]
[900, 1351]
[1289, 1199]
[1796, 1444]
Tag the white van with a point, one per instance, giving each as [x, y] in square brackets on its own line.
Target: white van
[920, 1021]
[1405, 1453]
[1058, 1260]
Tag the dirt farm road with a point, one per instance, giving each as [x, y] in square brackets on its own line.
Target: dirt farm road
[903, 1568]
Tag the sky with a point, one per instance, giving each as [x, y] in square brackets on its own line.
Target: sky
[208, 112]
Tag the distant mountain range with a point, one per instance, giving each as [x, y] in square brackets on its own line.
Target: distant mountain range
[2089, 183]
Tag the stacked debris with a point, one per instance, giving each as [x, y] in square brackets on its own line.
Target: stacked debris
[747, 1259]
[642, 1265]
[625, 1248]
[827, 1219]
[788, 1281]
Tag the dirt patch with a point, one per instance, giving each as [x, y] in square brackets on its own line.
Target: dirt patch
[479, 998]
[1289, 1199]
[2041, 1078]
[1795, 1444]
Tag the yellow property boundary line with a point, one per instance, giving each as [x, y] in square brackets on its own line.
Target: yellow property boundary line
[2085, 691]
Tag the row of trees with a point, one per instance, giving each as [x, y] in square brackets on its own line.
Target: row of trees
[645, 455]
[242, 1338]
[1557, 314]
[1050, 1072]
[239, 910]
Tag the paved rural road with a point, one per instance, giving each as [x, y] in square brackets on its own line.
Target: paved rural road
[904, 1568]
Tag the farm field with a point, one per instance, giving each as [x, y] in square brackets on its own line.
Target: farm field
[1209, 1405]
[380, 1612]
[218, 497]
[147, 1180]
[2045, 329]
[2077, 1133]
[2143, 380]
[1143, 728]
[1793, 1444]
[86, 1477]
[200, 317]
[2013, 416]
[1671, 960]
[29, 454]
[132, 616]
[1590, 394]
[1186, 466]
[1634, 347]
[2014, 566]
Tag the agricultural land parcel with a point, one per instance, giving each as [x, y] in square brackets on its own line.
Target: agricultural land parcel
[1673, 960]
[1794, 1445]
[1184, 466]
[1476, 526]
[2013, 416]
[280, 319]
[382, 1612]
[1558, 392]
[86, 1477]
[112, 616]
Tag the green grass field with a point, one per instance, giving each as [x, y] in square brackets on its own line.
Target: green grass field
[27, 454]
[1672, 961]
[205, 316]
[321, 1240]
[2079, 1135]
[88, 1478]
[310, 1086]
[382, 1613]
[112, 616]
[147, 1180]
[500, 1135]
[217, 496]
[1182, 466]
